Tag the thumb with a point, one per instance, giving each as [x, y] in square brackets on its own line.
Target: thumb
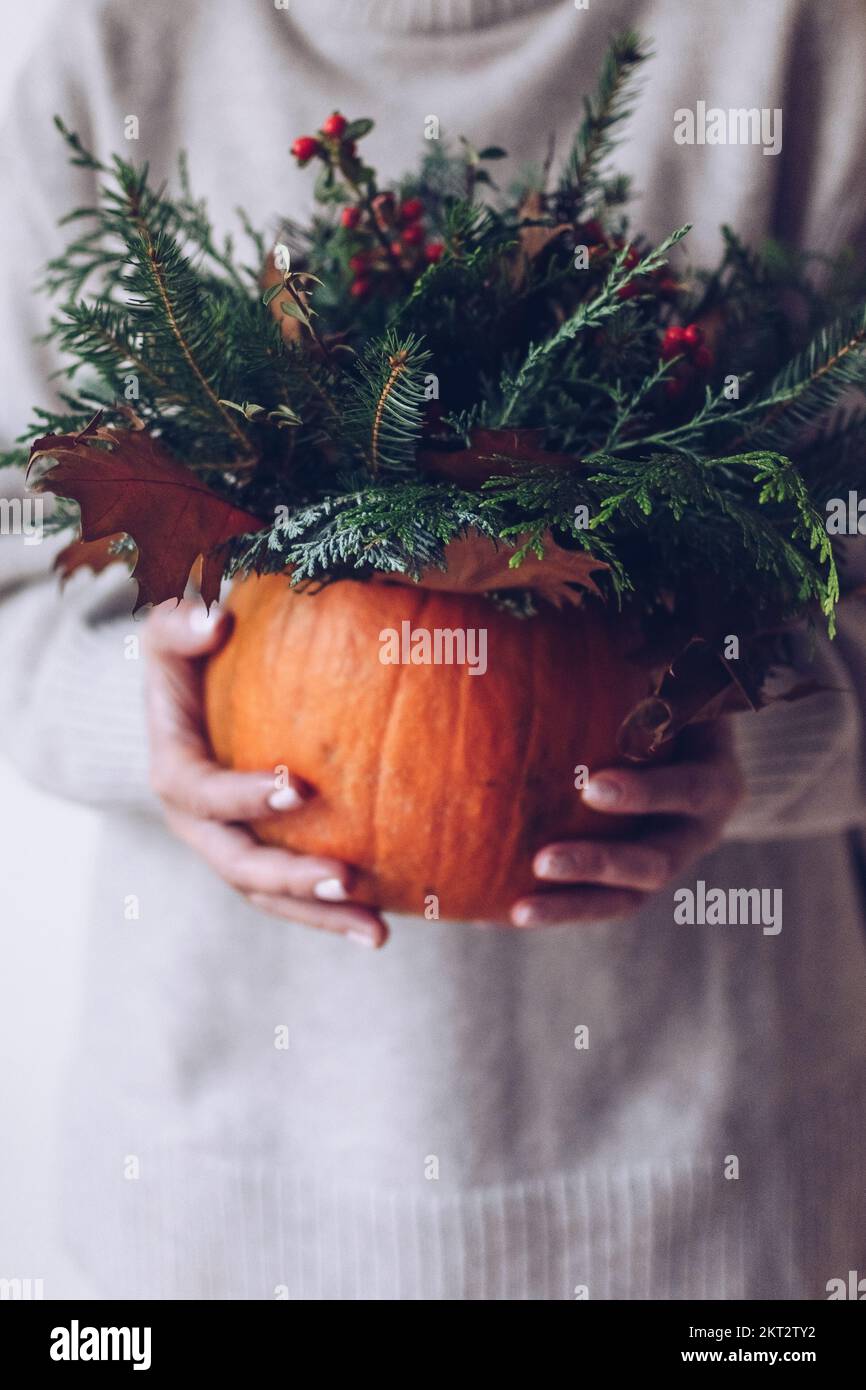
[187, 629]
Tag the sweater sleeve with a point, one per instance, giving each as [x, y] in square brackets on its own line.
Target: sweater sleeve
[804, 762]
[71, 706]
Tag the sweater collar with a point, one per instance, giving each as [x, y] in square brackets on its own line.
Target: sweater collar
[417, 16]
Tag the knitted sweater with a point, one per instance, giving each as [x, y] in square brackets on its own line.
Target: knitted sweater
[440, 1124]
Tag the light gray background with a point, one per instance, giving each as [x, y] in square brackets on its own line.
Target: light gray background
[46, 861]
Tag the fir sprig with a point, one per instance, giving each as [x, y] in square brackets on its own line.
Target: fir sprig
[604, 115]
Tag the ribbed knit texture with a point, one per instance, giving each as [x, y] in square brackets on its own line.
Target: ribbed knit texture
[198, 1226]
[414, 16]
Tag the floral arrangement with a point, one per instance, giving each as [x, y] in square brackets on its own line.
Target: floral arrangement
[446, 383]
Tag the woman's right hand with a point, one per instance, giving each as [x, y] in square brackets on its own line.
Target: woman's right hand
[206, 805]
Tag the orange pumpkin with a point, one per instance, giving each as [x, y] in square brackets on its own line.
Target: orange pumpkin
[429, 779]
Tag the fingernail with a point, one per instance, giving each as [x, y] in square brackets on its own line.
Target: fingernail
[523, 916]
[555, 865]
[285, 799]
[204, 620]
[330, 890]
[363, 938]
[602, 792]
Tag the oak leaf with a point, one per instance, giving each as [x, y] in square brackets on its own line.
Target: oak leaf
[533, 237]
[477, 565]
[127, 483]
[493, 453]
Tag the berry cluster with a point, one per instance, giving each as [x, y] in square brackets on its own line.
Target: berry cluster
[332, 132]
[387, 243]
[688, 344]
[389, 236]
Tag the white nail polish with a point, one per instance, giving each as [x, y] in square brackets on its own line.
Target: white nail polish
[201, 621]
[285, 799]
[362, 938]
[330, 890]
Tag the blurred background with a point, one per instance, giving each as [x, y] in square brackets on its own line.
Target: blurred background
[40, 946]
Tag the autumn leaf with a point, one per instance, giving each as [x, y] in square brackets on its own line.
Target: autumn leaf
[532, 240]
[92, 555]
[126, 482]
[476, 565]
[492, 453]
[697, 687]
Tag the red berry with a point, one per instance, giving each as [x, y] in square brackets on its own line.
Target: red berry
[350, 217]
[433, 250]
[673, 342]
[361, 287]
[304, 148]
[360, 261]
[411, 210]
[703, 359]
[592, 231]
[396, 248]
[631, 257]
[629, 290]
[692, 335]
[334, 125]
[413, 235]
[675, 387]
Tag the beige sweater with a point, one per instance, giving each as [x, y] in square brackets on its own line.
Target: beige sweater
[556, 1168]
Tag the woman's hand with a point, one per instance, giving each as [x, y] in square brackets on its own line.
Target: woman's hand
[685, 805]
[205, 805]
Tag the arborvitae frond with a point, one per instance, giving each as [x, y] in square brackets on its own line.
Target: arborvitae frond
[400, 526]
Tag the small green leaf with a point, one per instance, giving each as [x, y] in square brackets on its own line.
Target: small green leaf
[284, 417]
[271, 293]
[295, 311]
[356, 129]
[324, 187]
[493, 152]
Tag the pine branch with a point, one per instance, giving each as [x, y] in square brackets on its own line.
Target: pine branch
[604, 114]
[177, 297]
[390, 400]
[811, 384]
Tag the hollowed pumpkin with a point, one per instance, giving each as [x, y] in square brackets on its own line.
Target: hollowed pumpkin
[429, 780]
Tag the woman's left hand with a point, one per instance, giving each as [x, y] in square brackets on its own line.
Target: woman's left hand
[684, 806]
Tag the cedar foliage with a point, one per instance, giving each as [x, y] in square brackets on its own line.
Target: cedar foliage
[326, 434]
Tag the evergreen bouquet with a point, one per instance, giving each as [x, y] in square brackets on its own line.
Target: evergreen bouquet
[446, 409]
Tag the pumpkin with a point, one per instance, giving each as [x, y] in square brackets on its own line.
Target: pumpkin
[438, 785]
